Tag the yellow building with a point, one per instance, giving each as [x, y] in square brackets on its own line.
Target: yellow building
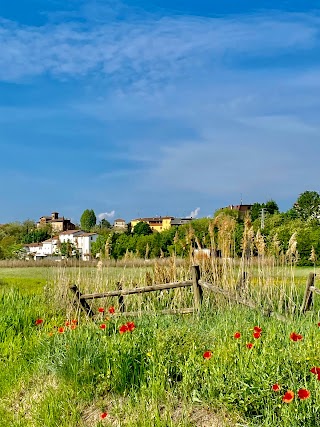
[160, 223]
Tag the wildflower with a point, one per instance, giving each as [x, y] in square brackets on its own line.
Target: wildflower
[257, 329]
[67, 323]
[288, 396]
[295, 337]
[103, 415]
[131, 326]
[73, 327]
[256, 335]
[103, 326]
[303, 394]
[101, 310]
[315, 370]
[61, 330]
[38, 321]
[237, 335]
[249, 345]
[276, 387]
[123, 329]
[74, 321]
[319, 324]
[207, 355]
[111, 310]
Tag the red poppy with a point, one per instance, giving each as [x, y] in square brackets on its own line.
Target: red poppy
[318, 377]
[256, 335]
[73, 327]
[38, 321]
[288, 396]
[237, 335]
[103, 326]
[67, 323]
[61, 330]
[319, 324]
[257, 329]
[207, 355]
[276, 387]
[103, 415]
[101, 310]
[295, 337]
[74, 321]
[249, 345]
[131, 326]
[123, 329]
[303, 394]
[111, 310]
[315, 370]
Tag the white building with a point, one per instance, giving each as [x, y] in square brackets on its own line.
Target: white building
[50, 246]
[69, 236]
[33, 249]
[84, 242]
[79, 239]
[120, 223]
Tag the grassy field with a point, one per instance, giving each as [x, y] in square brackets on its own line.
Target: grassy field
[59, 369]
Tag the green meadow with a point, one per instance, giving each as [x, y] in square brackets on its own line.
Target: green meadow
[57, 368]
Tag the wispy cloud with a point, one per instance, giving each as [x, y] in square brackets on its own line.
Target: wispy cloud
[106, 215]
[152, 49]
[194, 214]
[190, 111]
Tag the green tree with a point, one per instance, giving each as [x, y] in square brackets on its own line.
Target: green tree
[307, 205]
[255, 211]
[226, 211]
[142, 229]
[99, 245]
[271, 207]
[88, 220]
[104, 223]
[68, 250]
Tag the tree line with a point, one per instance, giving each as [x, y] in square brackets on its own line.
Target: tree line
[303, 219]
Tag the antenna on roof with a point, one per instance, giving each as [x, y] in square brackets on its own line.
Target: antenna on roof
[241, 199]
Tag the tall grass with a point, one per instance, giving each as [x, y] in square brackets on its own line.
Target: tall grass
[52, 374]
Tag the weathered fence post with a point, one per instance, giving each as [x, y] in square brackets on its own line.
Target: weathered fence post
[122, 307]
[241, 285]
[197, 289]
[81, 302]
[308, 296]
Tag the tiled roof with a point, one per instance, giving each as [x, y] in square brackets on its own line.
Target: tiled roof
[71, 232]
[155, 218]
[54, 239]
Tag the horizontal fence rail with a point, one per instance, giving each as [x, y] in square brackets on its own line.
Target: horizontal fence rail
[198, 286]
[161, 287]
[81, 299]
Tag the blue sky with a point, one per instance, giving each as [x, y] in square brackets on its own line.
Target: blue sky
[142, 108]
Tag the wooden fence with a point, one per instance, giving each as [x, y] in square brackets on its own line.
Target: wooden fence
[308, 294]
[197, 285]
[81, 299]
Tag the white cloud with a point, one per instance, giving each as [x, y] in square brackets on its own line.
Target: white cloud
[152, 49]
[106, 215]
[194, 213]
[216, 121]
